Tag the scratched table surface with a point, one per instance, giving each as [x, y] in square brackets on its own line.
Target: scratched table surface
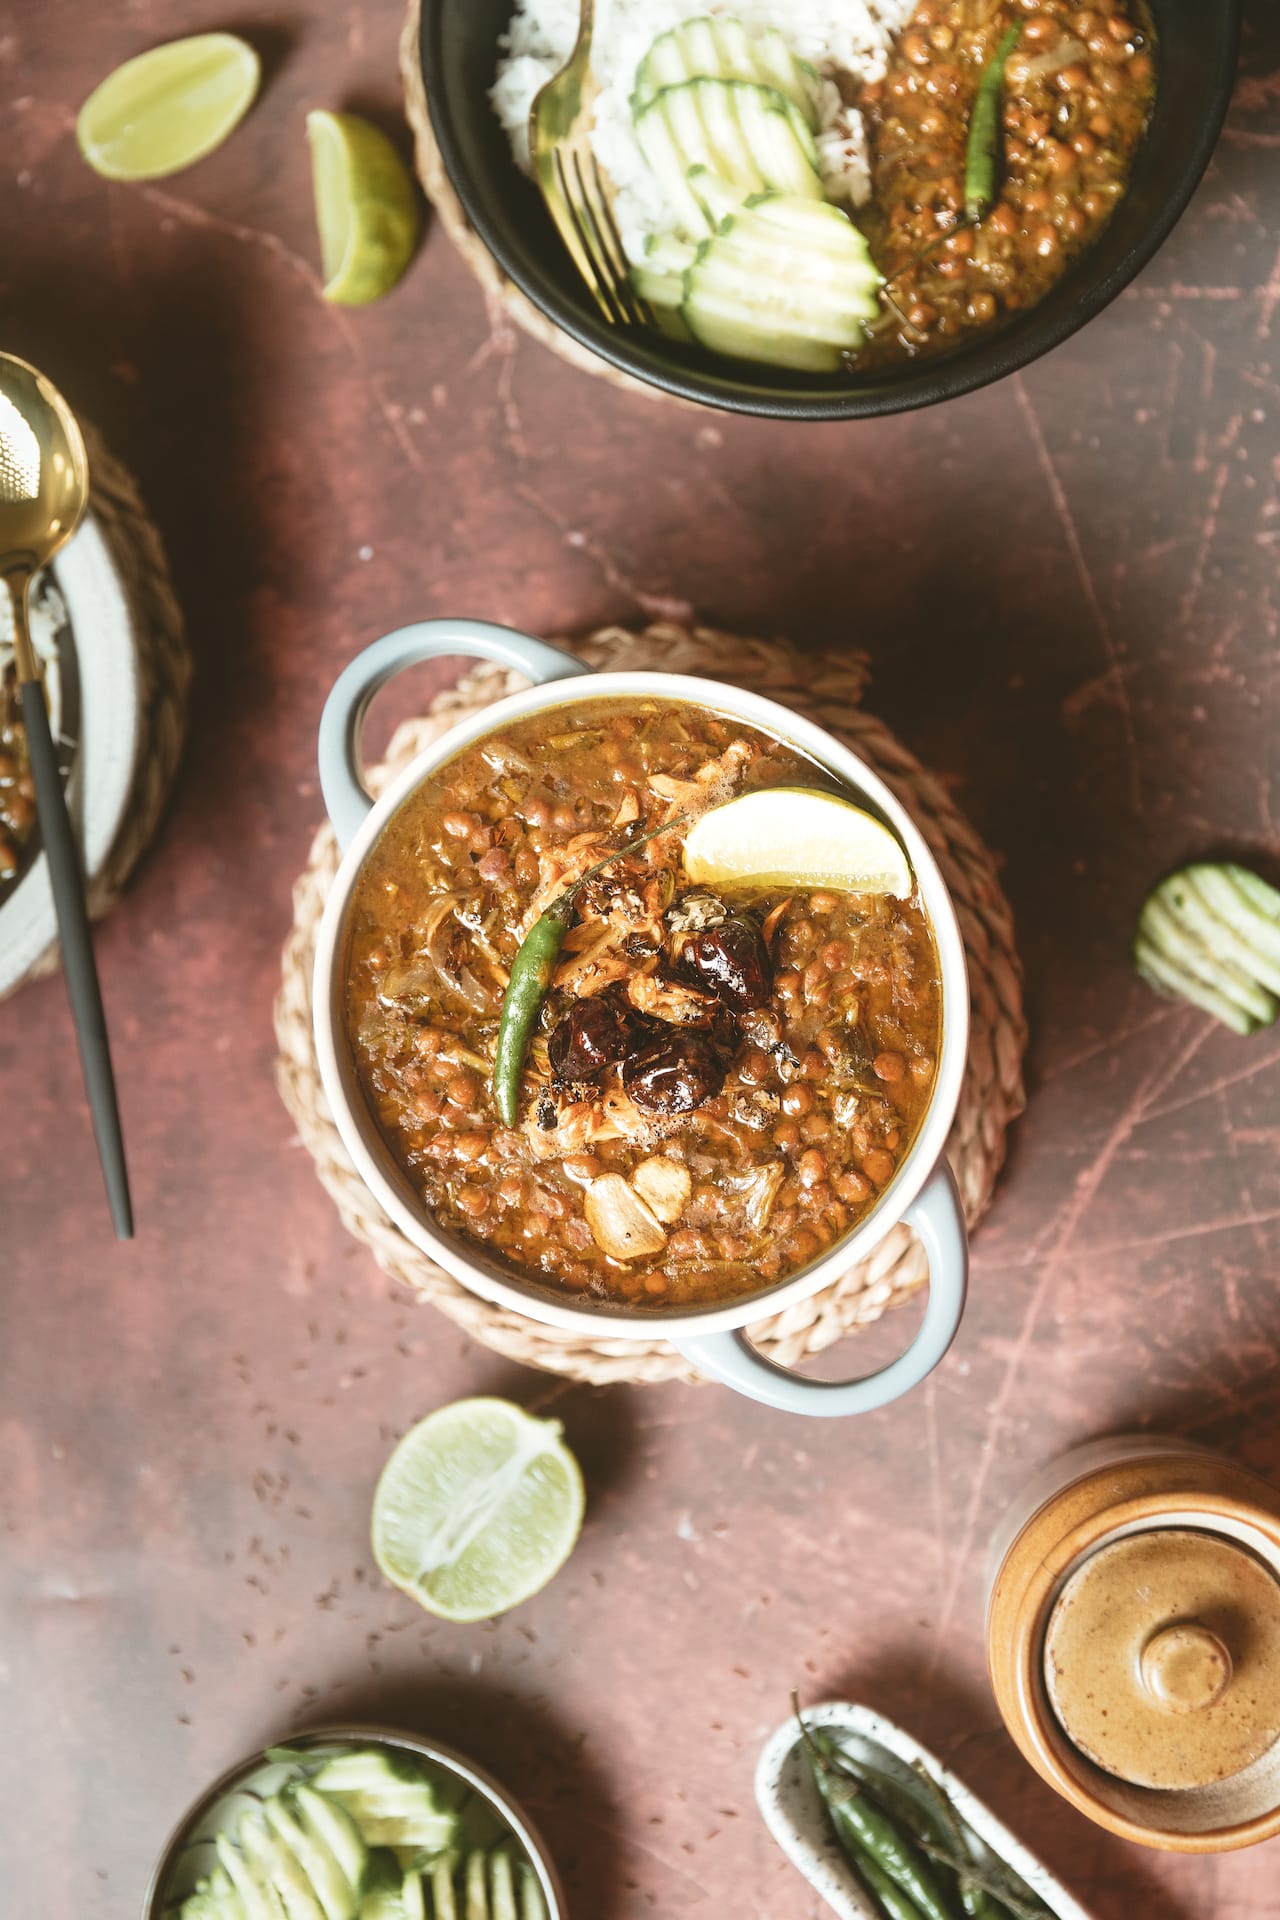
[1067, 585]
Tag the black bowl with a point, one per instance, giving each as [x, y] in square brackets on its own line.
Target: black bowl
[459, 51]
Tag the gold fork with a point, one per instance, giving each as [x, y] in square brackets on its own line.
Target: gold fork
[566, 170]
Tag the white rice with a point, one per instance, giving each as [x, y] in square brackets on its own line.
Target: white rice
[838, 36]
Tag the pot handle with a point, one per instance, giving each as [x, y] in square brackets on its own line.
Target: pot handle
[346, 797]
[938, 1218]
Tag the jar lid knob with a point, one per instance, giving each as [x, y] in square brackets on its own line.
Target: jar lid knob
[1162, 1658]
[1185, 1667]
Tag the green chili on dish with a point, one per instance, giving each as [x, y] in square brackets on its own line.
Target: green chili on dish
[531, 974]
[891, 1900]
[982, 153]
[941, 1825]
[865, 1829]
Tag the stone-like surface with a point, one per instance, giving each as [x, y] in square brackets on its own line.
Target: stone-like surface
[1068, 587]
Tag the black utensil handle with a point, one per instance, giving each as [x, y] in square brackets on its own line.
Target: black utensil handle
[77, 956]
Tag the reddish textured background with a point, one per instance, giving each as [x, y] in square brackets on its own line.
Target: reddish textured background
[1068, 587]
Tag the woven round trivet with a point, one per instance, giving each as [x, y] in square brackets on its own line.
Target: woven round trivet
[502, 296]
[162, 663]
[827, 688]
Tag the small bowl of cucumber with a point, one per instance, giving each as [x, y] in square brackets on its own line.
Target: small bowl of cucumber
[354, 1823]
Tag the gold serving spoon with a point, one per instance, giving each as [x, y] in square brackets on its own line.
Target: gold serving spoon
[44, 487]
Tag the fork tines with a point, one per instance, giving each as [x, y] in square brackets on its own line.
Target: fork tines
[588, 207]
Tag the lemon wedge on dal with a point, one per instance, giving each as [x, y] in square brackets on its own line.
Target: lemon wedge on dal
[167, 108]
[796, 837]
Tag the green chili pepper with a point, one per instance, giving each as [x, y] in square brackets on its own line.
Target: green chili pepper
[996, 1882]
[530, 980]
[984, 1892]
[946, 1830]
[926, 1823]
[891, 1900]
[527, 988]
[983, 150]
[863, 1827]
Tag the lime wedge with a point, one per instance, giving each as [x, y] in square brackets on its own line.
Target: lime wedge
[366, 208]
[168, 108]
[796, 837]
[476, 1509]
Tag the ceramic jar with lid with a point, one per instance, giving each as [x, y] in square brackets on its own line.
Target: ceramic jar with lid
[1133, 1640]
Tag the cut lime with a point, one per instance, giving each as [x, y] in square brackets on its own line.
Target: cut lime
[168, 108]
[476, 1509]
[796, 837]
[366, 208]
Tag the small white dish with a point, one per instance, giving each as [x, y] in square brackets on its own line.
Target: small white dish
[81, 611]
[795, 1816]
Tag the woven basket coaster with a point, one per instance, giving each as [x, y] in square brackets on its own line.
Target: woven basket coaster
[501, 294]
[162, 664]
[828, 689]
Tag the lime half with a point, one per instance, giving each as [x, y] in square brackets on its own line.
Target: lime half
[366, 208]
[168, 108]
[796, 837]
[476, 1509]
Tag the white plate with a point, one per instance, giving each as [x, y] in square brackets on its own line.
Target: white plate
[798, 1821]
[99, 628]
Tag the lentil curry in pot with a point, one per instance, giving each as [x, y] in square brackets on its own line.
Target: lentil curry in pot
[722, 1079]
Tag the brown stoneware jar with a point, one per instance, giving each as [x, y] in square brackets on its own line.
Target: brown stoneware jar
[1133, 1641]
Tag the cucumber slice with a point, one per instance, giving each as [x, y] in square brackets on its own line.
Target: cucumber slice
[1187, 949]
[660, 281]
[665, 65]
[664, 294]
[707, 128]
[777, 285]
[413, 1896]
[366, 1770]
[798, 79]
[276, 1865]
[502, 1886]
[818, 225]
[706, 49]
[477, 1891]
[1210, 934]
[385, 1894]
[326, 1823]
[717, 199]
[661, 278]
[1257, 892]
[826, 258]
[1223, 892]
[443, 1904]
[532, 1904]
[701, 56]
[258, 1901]
[390, 1799]
[750, 136]
[205, 1904]
[214, 1899]
[331, 1884]
[658, 145]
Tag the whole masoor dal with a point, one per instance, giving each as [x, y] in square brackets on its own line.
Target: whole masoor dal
[723, 1079]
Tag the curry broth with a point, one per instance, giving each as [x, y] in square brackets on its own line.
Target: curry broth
[733, 1141]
